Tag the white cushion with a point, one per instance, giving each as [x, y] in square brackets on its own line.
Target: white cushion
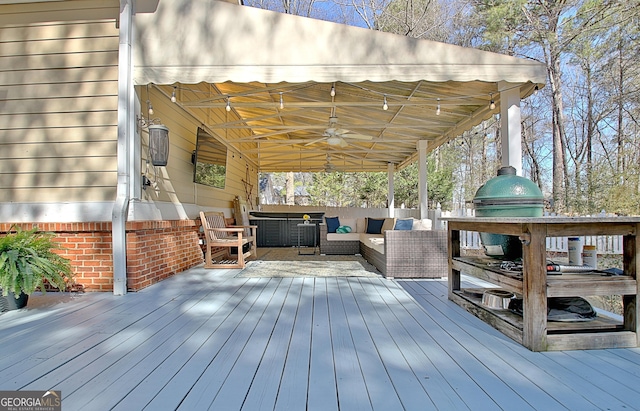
[374, 241]
[343, 237]
[424, 224]
[351, 222]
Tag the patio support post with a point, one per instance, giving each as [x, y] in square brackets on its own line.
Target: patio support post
[391, 205]
[510, 124]
[422, 178]
[126, 124]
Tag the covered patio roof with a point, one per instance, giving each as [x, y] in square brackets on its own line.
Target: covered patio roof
[276, 72]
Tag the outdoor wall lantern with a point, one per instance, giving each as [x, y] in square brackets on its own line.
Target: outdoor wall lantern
[158, 144]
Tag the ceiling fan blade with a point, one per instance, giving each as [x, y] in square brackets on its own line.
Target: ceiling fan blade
[358, 136]
[341, 131]
[314, 141]
[343, 143]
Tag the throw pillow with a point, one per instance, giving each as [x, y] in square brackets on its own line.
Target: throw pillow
[389, 223]
[374, 225]
[404, 224]
[343, 229]
[332, 224]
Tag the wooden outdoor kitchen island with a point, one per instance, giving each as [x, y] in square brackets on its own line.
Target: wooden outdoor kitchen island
[534, 284]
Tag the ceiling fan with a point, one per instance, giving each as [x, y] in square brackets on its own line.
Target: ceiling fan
[336, 136]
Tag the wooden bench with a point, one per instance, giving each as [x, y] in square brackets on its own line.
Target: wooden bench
[219, 235]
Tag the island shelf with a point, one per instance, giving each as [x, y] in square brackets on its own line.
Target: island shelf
[534, 285]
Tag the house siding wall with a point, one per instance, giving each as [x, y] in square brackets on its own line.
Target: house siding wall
[58, 123]
[58, 151]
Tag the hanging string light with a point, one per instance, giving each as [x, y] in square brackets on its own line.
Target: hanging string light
[149, 108]
[385, 105]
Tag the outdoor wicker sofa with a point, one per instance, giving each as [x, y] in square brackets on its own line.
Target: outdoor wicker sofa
[414, 253]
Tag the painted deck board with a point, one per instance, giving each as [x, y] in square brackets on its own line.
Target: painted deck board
[208, 340]
[294, 384]
[182, 382]
[406, 383]
[351, 386]
[322, 378]
[560, 383]
[184, 346]
[381, 392]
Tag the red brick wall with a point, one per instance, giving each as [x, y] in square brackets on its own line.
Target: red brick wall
[155, 250]
[159, 249]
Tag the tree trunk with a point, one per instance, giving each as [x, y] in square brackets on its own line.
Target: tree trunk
[291, 194]
[559, 141]
[589, 143]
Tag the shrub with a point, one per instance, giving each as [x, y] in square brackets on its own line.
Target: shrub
[27, 260]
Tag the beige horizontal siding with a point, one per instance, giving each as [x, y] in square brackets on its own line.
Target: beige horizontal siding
[60, 151]
[57, 194]
[58, 105]
[70, 10]
[59, 76]
[85, 118]
[10, 166]
[52, 179]
[58, 117]
[86, 134]
[55, 61]
[61, 90]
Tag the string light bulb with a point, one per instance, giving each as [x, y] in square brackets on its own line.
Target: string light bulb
[173, 96]
[385, 106]
[438, 108]
[228, 107]
[535, 90]
[281, 101]
[333, 90]
[492, 105]
[149, 108]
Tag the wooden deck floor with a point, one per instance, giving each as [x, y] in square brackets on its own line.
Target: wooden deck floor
[207, 340]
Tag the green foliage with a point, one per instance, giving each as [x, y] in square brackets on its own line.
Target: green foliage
[501, 19]
[340, 189]
[333, 190]
[27, 260]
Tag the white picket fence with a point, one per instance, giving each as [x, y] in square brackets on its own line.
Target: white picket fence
[605, 244]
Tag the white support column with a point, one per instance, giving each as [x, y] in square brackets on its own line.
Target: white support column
[422, 178]
[126, 123]
[391, 192]
[510, 125]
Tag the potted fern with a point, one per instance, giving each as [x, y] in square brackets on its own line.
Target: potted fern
[27, 262]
